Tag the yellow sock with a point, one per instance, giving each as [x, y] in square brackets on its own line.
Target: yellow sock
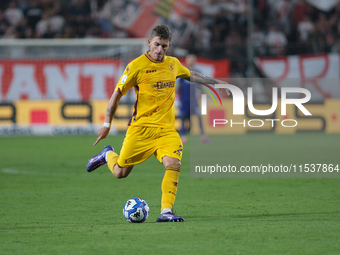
[112, 159]
[169, 185]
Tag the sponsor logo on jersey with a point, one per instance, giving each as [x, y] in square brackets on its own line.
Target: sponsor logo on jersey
[164, 85]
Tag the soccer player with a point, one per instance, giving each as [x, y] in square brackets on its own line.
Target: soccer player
[151, 128]
[188, 101]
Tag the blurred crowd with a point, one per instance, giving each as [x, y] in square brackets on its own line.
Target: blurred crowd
[281, 26]
[49, 19]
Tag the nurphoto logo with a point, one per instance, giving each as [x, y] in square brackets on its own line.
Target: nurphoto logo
[238, 105]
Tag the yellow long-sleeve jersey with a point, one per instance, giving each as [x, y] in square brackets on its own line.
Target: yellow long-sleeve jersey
[154, 83]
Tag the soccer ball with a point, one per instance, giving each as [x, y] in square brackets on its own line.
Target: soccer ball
[136, 210]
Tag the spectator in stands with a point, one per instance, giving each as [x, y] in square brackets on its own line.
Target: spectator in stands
[201, 38]
[327, 26]
[24, 5]
[317, 40]
[90, 33]
[261, 12]
[80, 7]
[209, 11]
[304, 28]
[284, 16]
[56, 20]
[233, 45]
[276, 41]
[80, 19]
[46, 4]
[34, 13]
[217, 42]
[29, 33]
[13, 14]
[259, 41]
[21, 28]
[68, 32]
[42, 25]
[4, 24]
[300, 9]
[49, 33]
[11, 33]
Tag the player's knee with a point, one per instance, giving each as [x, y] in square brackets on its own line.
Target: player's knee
[171, 161]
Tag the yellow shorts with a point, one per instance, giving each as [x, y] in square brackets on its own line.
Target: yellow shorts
[141, 142]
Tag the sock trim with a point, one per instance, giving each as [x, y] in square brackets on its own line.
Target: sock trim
[174, 168]
[166, 210]
[107, 153]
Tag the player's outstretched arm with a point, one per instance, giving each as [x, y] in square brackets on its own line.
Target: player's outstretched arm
[111, 109]
[197, 77]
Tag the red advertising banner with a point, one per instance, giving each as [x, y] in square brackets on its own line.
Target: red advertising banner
[58, 79]
[73, 80]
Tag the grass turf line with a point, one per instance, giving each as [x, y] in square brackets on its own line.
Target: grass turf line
[51, 205]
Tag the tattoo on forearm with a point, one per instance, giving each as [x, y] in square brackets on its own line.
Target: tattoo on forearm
[110, 111]
[201, 78]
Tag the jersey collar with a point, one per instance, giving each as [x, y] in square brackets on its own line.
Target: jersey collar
[151, 59]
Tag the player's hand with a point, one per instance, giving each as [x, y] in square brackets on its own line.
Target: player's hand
[227, 91]
[102, 133]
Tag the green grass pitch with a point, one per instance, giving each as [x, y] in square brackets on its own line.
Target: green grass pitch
[49, 204]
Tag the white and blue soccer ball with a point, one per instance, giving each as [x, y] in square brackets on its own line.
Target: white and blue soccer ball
[136, 210]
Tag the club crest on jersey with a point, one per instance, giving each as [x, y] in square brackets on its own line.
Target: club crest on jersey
[171, 67]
